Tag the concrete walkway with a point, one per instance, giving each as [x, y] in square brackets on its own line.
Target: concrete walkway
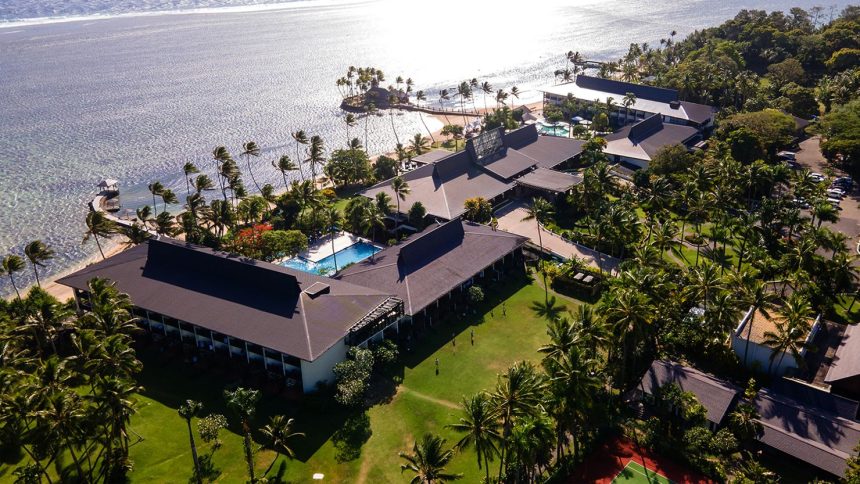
[511, 218]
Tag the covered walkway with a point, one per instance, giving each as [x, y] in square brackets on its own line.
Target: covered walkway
[511, 217]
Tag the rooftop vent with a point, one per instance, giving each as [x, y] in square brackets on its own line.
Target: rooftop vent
[675, 104]
[317, 289]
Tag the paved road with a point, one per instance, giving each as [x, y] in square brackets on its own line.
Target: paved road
[510, 219]
[810, 156]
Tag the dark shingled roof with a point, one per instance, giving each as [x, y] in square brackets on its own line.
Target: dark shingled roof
[444, 185]
[431, 156]
[644, 139]
[807, 433]
[546, 179]
[817, 397]
[428, 266]
[717, 396]
[622, 88]
[846, 363]
[282, 309]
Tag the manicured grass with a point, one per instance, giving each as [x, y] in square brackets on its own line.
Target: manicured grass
[349, 448]
[841, 310]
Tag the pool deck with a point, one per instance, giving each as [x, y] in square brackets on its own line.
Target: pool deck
[323, 247]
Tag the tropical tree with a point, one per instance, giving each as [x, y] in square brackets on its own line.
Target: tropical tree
[317, 155]
[628, 100]
[420, 96]
[284, 164]
[38, 253]
[515, 93]
[518, 394]
[188, 411]
[243, 402]
[372, 218]
[98, 226]
[188, 169]
[9, 266]
[419, 145]
[278, 433]
[400, 189]
[481, 428]
[155, 188]
[333, 217]
[349, 119]
[250, 149]
[428, 460]
[539, 211]
[301, 138]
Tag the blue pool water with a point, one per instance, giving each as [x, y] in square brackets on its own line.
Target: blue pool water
[350, 255]
[560, 131]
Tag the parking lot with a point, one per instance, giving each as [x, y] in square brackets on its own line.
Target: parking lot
[809, 156]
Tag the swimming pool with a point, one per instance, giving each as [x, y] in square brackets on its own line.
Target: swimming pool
[350, 255]
[553, 130]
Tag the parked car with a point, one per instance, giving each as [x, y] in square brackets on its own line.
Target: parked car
[835, 193]
[835, 202]
[818, 177]
[799, 202]
[787, 155]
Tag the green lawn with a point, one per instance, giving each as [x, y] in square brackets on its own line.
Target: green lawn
[357, 448]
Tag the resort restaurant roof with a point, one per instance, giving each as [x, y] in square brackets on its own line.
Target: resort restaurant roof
[717, 396]
[549, 180]
[649, 99]
[427, 266]
[808, 433]
[431, 156]
[761, 324]
[846, 362]
[286, 310]
[444, 186]
[644, 139]
[486, 168]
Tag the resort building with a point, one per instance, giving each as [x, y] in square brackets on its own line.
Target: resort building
[490, 167]
[292, 324]
[430, 269]
[749, 342]
[637, 144]
[843, 373]
[649, 101]
[717, 396]
[798, 421]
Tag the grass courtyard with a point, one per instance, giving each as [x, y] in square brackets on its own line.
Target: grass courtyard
[349, 448]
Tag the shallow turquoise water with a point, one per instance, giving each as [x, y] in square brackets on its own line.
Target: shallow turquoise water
[350, 255]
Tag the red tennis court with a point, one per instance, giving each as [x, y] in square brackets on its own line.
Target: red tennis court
[605, 463]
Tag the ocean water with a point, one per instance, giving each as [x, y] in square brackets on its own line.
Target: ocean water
[133, 89]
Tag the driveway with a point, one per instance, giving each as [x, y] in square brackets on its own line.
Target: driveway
[810, 156]
[510, 219]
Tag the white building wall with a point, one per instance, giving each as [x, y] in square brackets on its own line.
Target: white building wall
[320, 370]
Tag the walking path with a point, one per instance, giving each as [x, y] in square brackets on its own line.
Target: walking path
[511, 220]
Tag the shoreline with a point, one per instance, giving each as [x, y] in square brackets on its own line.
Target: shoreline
[113, 247]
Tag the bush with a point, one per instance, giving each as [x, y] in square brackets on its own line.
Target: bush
[475, 294]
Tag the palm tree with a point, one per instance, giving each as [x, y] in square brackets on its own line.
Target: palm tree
[98, 226]
[501, 96]
[474, 85]
[419, 144]
[392, 100]
[203, 183]
[301, 139]
[155, 188]
[486, 88]
[9, 266]
[285, 164]
[628, 100]
[371, 219]
[444, 96]
[464, 92]
[518, 393]
[428, 460]
[189, 169]
[368, 111]
[420, 96]
[333, 217]
[244, 402]
[515, 92]
[400, 189]
[317, 155]
[38, 253]
[349, 119]
[187, 411]
[251, 149]
[279, 431]
[538, 211]
[788, 338]
[479, 424]
[144, 214]
[168, 197]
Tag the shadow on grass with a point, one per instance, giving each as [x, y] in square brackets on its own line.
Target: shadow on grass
[171, 383]
[438, 335]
